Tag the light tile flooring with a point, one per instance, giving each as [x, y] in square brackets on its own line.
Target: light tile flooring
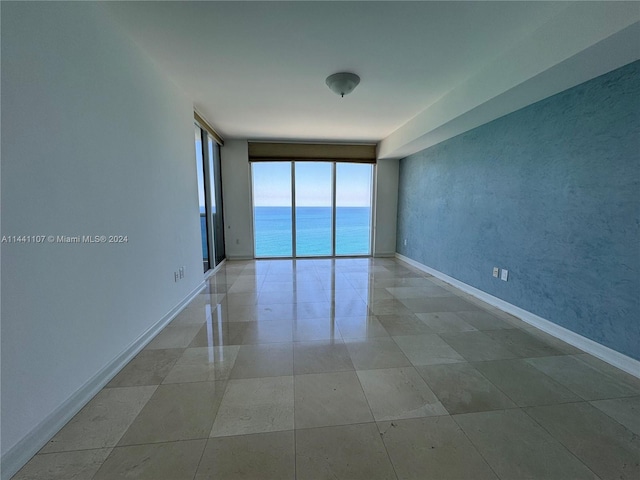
[350, 369]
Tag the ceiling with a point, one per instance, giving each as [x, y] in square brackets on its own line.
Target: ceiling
[256, 70]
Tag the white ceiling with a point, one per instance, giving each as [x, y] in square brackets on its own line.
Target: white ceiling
[256, 70]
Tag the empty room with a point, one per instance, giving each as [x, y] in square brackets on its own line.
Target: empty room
[320, 240]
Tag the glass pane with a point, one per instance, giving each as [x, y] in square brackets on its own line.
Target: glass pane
[353, 208]
[202, 199]
[216, 201]
[272, 208]
[313, 208]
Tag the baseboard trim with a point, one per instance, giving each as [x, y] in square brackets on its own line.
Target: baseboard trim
[617, 359]
[384, 254]
[18, 455]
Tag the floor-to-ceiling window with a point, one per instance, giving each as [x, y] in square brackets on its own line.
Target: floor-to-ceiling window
[312, 208]
[208, 168]
[354, 186]
[272, 209]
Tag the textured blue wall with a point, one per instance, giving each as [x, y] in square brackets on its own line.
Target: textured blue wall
[551, 193]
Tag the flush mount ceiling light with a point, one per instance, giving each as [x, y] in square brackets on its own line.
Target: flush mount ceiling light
[343, 83]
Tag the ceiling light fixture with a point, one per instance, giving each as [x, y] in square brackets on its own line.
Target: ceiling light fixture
[343, 83]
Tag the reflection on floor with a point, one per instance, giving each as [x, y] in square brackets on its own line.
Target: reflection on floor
[350, 369]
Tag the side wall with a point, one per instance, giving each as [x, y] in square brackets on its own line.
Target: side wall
[95, 141]
[236, 183]
[550, 193]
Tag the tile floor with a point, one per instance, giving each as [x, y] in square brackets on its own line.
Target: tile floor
[350, 369]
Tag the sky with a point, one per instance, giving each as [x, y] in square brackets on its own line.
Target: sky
[272, 184]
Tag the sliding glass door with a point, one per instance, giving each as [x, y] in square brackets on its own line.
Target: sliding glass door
[354, 183]
[312, 209]
[208, 171]
[314, 212]
[272, 209]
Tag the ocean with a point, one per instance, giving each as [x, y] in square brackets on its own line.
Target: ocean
[313, 231]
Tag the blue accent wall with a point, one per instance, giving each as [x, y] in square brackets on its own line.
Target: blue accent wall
[550, 192]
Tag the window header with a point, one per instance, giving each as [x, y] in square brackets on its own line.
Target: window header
[204, 124]
[277, 152]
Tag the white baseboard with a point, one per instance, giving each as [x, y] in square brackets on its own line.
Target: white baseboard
[606, 354]
[15, 458]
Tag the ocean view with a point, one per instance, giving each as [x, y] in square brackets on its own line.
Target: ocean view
[313, 231]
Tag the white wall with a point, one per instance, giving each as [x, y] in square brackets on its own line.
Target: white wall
[95, 141]
[236, 190]
[384, 240]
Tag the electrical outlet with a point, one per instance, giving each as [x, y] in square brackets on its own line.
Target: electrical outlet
[175, 276]
[181, 272]
[496, 272]
[505, 275]
[405, 242]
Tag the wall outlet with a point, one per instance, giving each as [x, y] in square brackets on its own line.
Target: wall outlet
[181, 272]
[405, 242]
[496, 272]
[237, 241]
[175, 276]
[505, 275]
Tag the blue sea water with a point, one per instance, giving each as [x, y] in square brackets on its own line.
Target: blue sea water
[313, 231]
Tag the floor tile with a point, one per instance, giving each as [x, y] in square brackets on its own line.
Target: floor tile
[198, 315]
[182, 411]
[522, 343]
[397, 393]
[313, 310]
[433, 448]
[244, 333]
[350, 452]
[206, 364]
[418, 292]
[581, 378]
[383, 352]
[442, 322]
[625, 411]
[524, 384]
[605, 446]
[149, 367]
[161, 461]
[255, 405]
[438, 304]
[219, 334]
[389, 307]
[312, 329]
[323, 399]
[477, 346]
[75, 465]
[556, 343]
[103, 421]
[427, 349]
[482, 320]
[404, 325]
[516, 447]
[462, 389]
[268, 360]
[321, 357]
[237, 299]
[372, 295]
[360, 327]
[266, 456]
[350, 308]
[615, 374]
[174, 337]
